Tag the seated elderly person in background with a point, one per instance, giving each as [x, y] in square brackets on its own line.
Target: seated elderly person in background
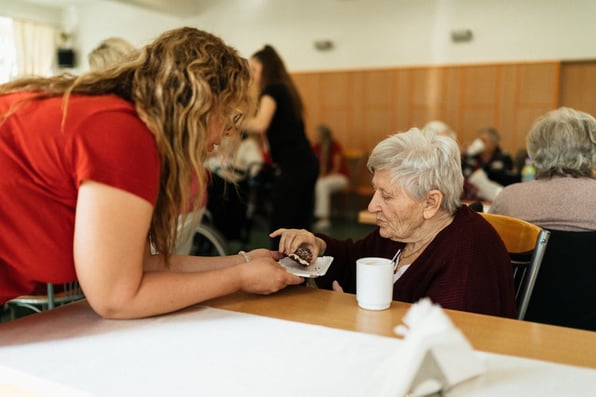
[441, 128]
[486, 167]
[446, 251]
[333, 175]
[110, 52]
[562, 146]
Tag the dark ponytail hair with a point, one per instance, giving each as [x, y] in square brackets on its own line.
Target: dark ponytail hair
[274, 72]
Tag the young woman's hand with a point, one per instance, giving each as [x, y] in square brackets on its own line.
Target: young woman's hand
[265, 276]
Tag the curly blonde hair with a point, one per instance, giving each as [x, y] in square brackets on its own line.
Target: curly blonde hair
[176, 84]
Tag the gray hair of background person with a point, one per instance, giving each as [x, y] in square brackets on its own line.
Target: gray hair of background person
[440, 128]
[110, 52]
[563, 143]
[421, 161]
[492, 134]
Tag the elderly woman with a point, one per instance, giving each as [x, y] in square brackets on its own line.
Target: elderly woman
[445, 251]
[562, 146]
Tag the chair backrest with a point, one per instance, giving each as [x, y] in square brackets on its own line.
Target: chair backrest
[564, 293]
[526, 244]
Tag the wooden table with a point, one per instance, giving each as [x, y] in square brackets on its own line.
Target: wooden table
[338, 310]
[250, 349]
[485, 333]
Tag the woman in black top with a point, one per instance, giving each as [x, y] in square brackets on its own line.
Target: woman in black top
[280, 117]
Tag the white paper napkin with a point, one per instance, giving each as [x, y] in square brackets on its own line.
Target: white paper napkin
[435, 354]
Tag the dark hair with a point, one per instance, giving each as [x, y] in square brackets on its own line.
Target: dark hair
[274, 72]
[492, 133]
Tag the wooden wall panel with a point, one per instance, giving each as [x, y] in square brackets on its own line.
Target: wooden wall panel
[473, 119]
[357, 131]
[308, 86]
[507, 115]
[453, 99]
[339, 119]
[334, 90]
[378, 89]
[578, 86]
[376, 122]
[536, 84]
[401, 95]
[478, 106]
[480, 86]
[362, 107]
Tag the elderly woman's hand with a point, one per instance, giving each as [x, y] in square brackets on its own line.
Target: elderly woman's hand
[291, 239]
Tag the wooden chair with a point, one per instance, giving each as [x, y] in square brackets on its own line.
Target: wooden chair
[526, 244]
[69, 292]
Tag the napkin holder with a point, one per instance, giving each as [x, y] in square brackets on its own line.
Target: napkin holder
[433, 356]
[442, 362]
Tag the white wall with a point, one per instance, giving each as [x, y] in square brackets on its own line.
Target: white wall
[99, 20]
[380, 33]
[366, 33]
[19, 9]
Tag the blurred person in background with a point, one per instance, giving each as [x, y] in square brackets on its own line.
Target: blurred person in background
[280, 117]
[441, 128]
[333, 175]
[486, 167]
[109, 52]
[562, 147]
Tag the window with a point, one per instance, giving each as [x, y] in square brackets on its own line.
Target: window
[8, 52]
[27, 48]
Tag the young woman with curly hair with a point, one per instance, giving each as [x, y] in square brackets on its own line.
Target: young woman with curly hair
[98, 168]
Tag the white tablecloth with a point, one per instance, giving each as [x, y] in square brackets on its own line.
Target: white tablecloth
[211, 352]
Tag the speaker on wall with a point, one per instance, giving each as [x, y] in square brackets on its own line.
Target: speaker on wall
[66, 58]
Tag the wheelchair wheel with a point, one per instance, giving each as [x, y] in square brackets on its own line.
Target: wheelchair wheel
[207, 241]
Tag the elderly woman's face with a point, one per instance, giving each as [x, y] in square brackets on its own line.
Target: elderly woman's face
[398, 215]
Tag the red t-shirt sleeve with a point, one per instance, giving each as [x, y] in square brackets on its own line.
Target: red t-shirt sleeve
[117, 149]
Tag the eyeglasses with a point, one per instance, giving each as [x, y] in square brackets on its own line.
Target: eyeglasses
[235, 122]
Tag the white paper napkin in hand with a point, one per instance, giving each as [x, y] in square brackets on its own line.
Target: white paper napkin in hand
[487, 189]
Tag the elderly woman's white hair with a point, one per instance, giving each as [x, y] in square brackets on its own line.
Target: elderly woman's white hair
[421, 161]
[563, 143]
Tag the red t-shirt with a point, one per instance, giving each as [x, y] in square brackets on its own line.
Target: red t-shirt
[42, 166]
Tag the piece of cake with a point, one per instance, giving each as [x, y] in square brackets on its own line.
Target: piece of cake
[302, 256]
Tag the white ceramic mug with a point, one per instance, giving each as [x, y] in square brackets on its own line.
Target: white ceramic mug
[374, 283]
